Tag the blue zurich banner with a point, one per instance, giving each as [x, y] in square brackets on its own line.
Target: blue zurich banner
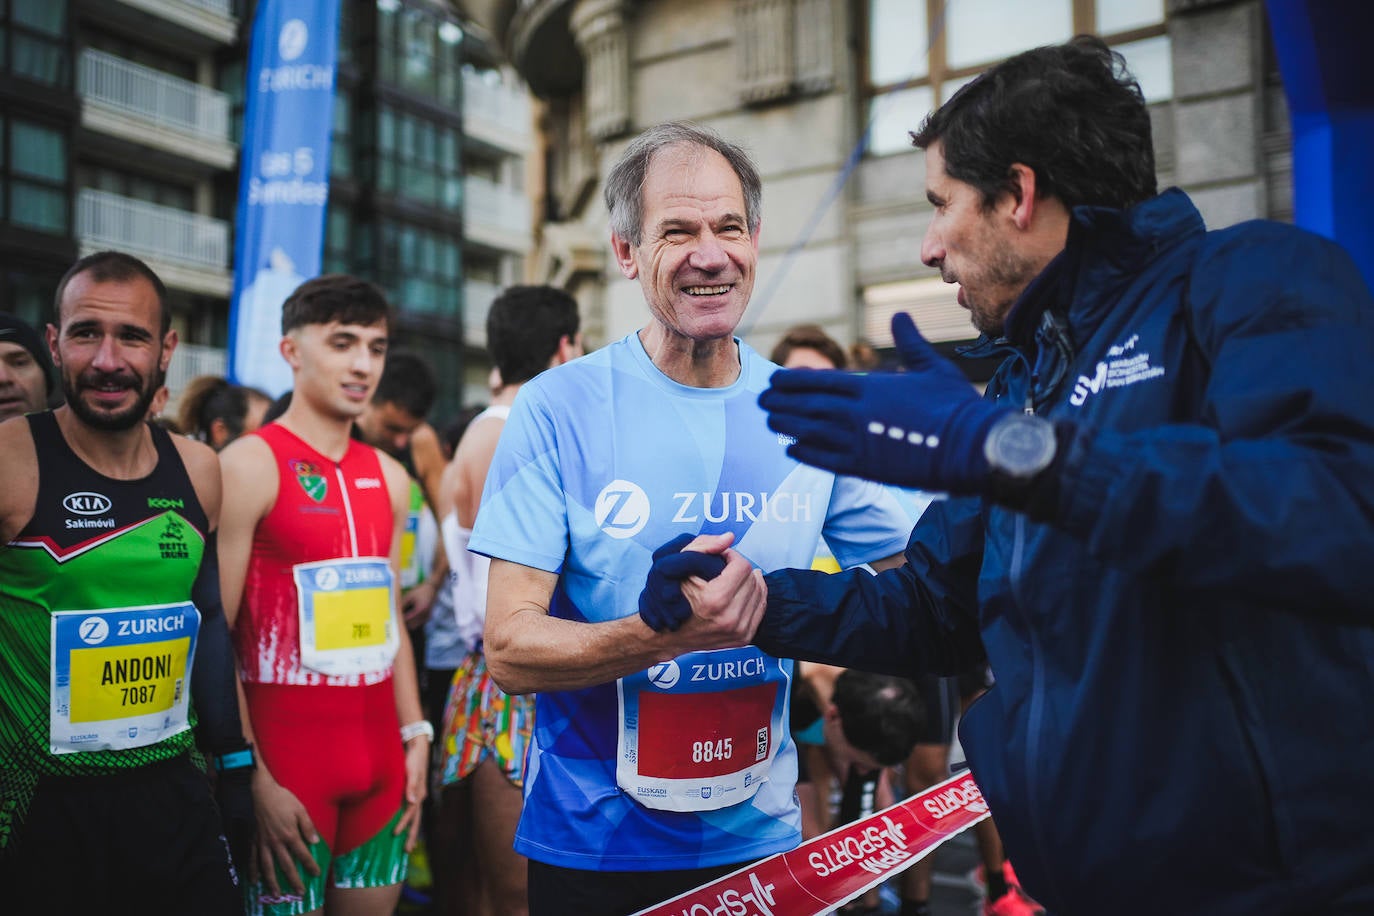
[283, 178]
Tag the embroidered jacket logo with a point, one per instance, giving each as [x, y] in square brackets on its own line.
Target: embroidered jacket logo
[1122, 367]
[310, 479]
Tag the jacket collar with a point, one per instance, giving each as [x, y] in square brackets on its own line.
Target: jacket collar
[1106, 249]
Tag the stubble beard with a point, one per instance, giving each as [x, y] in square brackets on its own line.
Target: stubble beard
[107, 421]
[1004, 275]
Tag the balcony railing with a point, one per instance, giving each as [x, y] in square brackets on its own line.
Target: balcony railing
[219, 7]
[192, 360]
[496, 113]
[107, 220]
[166, 100]
[477, 299]
[496, 214]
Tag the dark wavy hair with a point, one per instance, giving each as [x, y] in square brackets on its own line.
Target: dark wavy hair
[335, 297]
[880, 715]
[207, 398]
[524, 327]
[408, 382]
[1072, 113]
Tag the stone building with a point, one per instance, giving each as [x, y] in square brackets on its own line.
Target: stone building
[823, 92]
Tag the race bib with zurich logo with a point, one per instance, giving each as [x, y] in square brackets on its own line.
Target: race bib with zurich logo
[120, 678]
[700, 732]
[347, 623]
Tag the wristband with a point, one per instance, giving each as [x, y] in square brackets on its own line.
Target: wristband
[415, 730]
[236, 760]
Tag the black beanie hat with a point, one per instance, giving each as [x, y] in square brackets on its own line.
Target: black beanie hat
[14, 330]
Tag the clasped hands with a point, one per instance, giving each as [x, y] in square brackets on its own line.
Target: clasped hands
[701, 589]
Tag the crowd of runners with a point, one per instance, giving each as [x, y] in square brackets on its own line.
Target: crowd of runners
[612, 634]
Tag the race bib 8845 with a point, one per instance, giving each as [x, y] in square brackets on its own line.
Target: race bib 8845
[700, 732]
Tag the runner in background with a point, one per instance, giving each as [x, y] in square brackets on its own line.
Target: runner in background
[215, 411]
[529, 329]
[310, 563]
[115, 660]
[25, 369]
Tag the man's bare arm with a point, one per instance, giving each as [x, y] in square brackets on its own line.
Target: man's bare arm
[19, 465]
[252, 491]
[528, 651]
[892, 562]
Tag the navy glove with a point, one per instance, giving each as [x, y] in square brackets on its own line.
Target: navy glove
[923, 428]
[662, 604]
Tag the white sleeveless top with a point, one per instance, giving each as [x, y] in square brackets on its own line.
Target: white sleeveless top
[469, 579]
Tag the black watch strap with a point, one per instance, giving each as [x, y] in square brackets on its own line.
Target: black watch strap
[242, 759]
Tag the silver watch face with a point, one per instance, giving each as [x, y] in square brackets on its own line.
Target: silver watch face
[1020, 446]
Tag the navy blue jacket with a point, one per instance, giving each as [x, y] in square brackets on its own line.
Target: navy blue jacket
[1183, 633]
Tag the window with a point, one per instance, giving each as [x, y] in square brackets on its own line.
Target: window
[418, 159]
[35, 165]
[33, 41]
[919, 54]
[421, 268]
[341, 139]
[136, 187]
[418, 51]
[181, 67]
[338, 240]
[27, 291]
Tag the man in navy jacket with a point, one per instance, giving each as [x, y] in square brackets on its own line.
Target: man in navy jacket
[1161, 525]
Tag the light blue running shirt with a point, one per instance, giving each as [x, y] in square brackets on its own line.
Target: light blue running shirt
[689, 764]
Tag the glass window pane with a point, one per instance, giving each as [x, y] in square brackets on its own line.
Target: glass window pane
[979, 31]
[1120, 15]
[340, 158]
[38, 207]
[898, 42]
[46, 16]
[39, 59]
[1151, 63]
[38, 152]
[894, 115]
[386, 130]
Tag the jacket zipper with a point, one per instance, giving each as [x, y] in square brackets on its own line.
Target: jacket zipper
[1037, 710]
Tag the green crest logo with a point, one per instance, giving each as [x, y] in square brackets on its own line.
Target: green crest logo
[310, 479]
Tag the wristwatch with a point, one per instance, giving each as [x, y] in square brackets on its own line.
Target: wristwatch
[1019, 446]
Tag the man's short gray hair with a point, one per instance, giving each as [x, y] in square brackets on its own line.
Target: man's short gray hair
[625, 184]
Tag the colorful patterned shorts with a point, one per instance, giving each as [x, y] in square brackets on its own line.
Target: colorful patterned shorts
[481, 720]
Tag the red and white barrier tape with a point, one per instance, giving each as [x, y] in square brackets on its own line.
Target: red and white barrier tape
[837, 867]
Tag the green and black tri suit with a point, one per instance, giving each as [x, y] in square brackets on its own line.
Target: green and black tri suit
[98, 544]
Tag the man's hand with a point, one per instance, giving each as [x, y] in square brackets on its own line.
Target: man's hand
[727, 609]
[924, 428]
[234, 797]
[417, 602]
[661, 603]
[285, 833]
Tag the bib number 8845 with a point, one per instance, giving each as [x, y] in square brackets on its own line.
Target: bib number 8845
[707, 751]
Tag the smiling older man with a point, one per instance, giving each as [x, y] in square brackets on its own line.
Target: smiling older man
[656, 762]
